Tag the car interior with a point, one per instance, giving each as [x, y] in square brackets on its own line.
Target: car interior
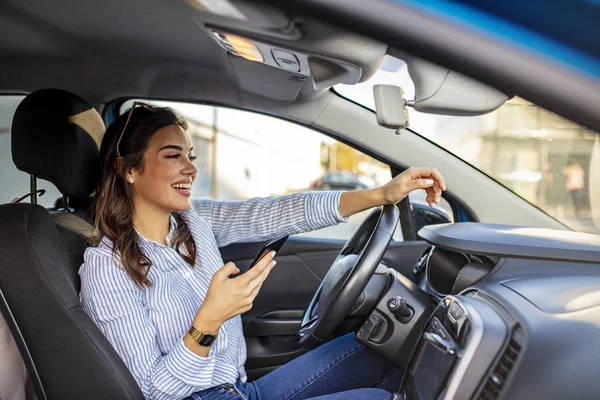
[498, 300]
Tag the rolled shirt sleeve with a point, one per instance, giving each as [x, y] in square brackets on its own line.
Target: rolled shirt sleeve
[116, 305]
[263, 218]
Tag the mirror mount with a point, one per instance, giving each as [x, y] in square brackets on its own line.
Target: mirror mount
[438, 90]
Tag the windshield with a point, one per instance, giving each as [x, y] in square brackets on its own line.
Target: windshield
[547, 160]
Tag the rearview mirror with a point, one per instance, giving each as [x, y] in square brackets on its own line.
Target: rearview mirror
[391, 107]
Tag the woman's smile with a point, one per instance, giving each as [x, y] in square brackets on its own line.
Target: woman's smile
[184, 188]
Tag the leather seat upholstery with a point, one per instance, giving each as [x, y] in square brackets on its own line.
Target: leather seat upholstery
[56, 136]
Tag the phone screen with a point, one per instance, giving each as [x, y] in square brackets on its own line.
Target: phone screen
[271, 245]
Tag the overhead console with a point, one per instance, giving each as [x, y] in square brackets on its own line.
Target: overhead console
[276, 55]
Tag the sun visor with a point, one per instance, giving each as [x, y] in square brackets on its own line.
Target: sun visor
[264, 80]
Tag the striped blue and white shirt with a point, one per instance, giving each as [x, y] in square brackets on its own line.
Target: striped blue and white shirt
[146, 326]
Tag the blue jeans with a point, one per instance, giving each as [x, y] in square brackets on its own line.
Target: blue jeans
[342, 369]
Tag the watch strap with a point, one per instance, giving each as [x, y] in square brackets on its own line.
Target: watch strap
[205, 339]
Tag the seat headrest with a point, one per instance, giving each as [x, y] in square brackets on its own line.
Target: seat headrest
[56, 136]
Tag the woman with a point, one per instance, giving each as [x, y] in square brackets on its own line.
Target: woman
[156, 286]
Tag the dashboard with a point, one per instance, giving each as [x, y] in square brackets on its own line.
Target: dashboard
[517, 315]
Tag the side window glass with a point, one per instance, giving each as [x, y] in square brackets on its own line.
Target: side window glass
[242, 155]
[423, 214]
[14, 183]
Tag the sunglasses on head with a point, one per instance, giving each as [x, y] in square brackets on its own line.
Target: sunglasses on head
[135, 104]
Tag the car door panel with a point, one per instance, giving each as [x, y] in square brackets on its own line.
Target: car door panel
[302, 263]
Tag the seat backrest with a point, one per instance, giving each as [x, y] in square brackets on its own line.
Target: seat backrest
[77, 234]
[56, 136]
[61, 346]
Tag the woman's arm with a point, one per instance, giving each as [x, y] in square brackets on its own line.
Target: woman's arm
[263, 218]
[394, 191]
[116, 306]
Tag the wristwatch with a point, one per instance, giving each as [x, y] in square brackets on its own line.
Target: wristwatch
[205, 339]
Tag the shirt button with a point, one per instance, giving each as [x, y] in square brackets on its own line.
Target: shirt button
[187, 274]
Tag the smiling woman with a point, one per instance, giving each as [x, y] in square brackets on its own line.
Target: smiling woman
[153, 173]
[156, 286]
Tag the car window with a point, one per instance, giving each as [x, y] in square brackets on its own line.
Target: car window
[243, 154]
[14, 183]
[547, 160]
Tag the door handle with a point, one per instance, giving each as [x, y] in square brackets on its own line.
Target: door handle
[275, 323]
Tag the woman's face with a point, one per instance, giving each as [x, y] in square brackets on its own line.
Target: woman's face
[164, 181]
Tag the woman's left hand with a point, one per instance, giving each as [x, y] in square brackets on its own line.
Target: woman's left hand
[429, 179]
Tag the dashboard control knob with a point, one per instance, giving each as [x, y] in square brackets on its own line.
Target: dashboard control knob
[397, 305]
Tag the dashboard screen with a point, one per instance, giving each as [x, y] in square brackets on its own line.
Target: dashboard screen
[430, 371]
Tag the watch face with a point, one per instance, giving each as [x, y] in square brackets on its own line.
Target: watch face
[207, 340]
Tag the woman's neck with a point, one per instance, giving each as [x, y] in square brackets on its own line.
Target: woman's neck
[152, 224]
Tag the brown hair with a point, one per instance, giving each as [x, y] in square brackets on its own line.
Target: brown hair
[114, 196]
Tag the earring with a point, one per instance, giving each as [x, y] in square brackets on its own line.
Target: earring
[130, 180]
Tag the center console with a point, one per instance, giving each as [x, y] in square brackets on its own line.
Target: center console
[456, 350]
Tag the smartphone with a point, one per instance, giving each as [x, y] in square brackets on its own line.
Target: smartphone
[271, 245]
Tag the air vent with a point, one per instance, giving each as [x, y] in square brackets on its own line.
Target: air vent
[495, 381]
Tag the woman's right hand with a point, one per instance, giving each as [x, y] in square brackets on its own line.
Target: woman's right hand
[227, 298]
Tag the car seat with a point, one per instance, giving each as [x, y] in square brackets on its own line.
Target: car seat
[56, 136]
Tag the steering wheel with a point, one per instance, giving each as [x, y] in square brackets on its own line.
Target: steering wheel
[348, 276]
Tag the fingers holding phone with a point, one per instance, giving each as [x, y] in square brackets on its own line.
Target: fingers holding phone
[269, 246]
[257, 269]
[229, 297]
[256, 276]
